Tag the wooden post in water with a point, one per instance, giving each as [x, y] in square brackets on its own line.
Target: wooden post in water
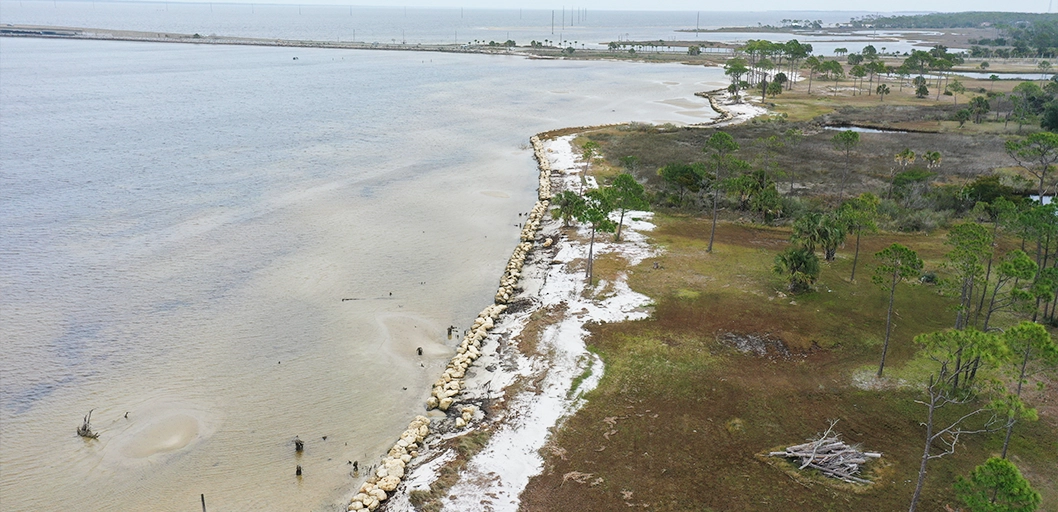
[203, 503]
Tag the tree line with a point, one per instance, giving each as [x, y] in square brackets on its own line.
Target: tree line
[767, 66]
[953, 20]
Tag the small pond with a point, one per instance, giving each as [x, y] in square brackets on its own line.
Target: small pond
[861, 129]
[1002, 76]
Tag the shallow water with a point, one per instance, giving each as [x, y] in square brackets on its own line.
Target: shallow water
[179, 226]
[861, 129]
[985, 75]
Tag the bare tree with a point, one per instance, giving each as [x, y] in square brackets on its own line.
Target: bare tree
[977, 415]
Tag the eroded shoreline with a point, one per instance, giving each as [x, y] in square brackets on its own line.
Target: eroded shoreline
[448, 390]
[516, 394]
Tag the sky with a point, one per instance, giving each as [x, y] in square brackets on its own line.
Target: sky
[699, 5]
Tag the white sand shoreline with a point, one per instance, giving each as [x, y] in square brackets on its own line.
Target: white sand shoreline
[494, 478]
[539, 383]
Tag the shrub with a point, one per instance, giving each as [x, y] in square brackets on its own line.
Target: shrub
[997, 486]
[923, 220]
[799, 266]
[636, 126]
[793, 207]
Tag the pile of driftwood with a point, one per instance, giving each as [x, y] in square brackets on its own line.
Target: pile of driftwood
[831, 456]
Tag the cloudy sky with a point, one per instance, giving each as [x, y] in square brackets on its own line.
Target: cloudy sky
[698, 5]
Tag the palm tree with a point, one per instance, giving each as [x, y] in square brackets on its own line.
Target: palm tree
[859, 214]
[800, 266]
[979, 107]
[932, 159]
[904, 158]
[569, 205]
[921, 91]
[826, 231]
[882, 91]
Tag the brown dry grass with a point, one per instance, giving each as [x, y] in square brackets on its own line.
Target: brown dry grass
[814, 163]
[465, 447]
[678, 419]
[529, 339]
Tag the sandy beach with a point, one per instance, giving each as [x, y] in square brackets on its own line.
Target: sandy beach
[521, 416]
[533, 373]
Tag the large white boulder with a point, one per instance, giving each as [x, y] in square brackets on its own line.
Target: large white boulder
[389, 483]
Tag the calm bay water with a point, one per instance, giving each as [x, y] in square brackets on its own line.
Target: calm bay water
[180, 223]
[411, 26]
[390, 24]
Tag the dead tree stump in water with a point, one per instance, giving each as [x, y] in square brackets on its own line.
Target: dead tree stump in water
[85, 430]
[299, 445]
